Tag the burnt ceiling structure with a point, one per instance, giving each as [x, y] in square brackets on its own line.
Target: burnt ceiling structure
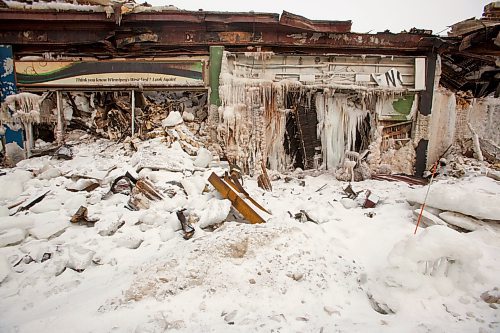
[118, 31]
[472, 59]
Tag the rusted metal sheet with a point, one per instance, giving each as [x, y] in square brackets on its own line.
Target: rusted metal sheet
[190, 29]
[294, 21]
[230, 192]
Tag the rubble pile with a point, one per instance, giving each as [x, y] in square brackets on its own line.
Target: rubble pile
[104, 210]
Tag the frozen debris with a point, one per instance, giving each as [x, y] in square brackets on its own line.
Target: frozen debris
[458, 198]
[462, 221]
[79, 258]
[174, 118]
[371, 200]
[240, 200]
[216, 211]
[263, 180]
[302, 216]
[490, 151]
[428, 218]
[491, 296]
[351, 194]
[122, 184]
[31, 201]
[203, 158]
[186, 227]
[81, 217]
[379, 306]
[64, 152]
[11, 236]
[411, 180]
[141, 191]
[48, 230]
[87, 185]
[4, 268]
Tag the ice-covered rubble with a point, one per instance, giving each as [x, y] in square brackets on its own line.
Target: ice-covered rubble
[136, 272]
[468, 197]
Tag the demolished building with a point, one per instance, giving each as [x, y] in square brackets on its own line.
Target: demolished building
[253, 88]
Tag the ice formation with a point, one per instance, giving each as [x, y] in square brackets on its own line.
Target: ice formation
[338, 122]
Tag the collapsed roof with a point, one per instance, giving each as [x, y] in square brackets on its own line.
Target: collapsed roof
[472, 60]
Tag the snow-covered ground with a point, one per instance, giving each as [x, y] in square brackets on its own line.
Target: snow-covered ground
[351, 272]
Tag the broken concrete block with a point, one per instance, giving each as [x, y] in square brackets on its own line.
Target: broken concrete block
[461, 221]
[130, 242]
[4, 268]
[11, 236]
[79, 258]
[428, 218]
[48, 230]
[216, 211]
[203, 158]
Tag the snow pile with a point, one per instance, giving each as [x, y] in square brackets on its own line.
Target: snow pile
[136, 272]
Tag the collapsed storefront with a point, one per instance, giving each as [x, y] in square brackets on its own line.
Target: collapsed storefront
[259, 90]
